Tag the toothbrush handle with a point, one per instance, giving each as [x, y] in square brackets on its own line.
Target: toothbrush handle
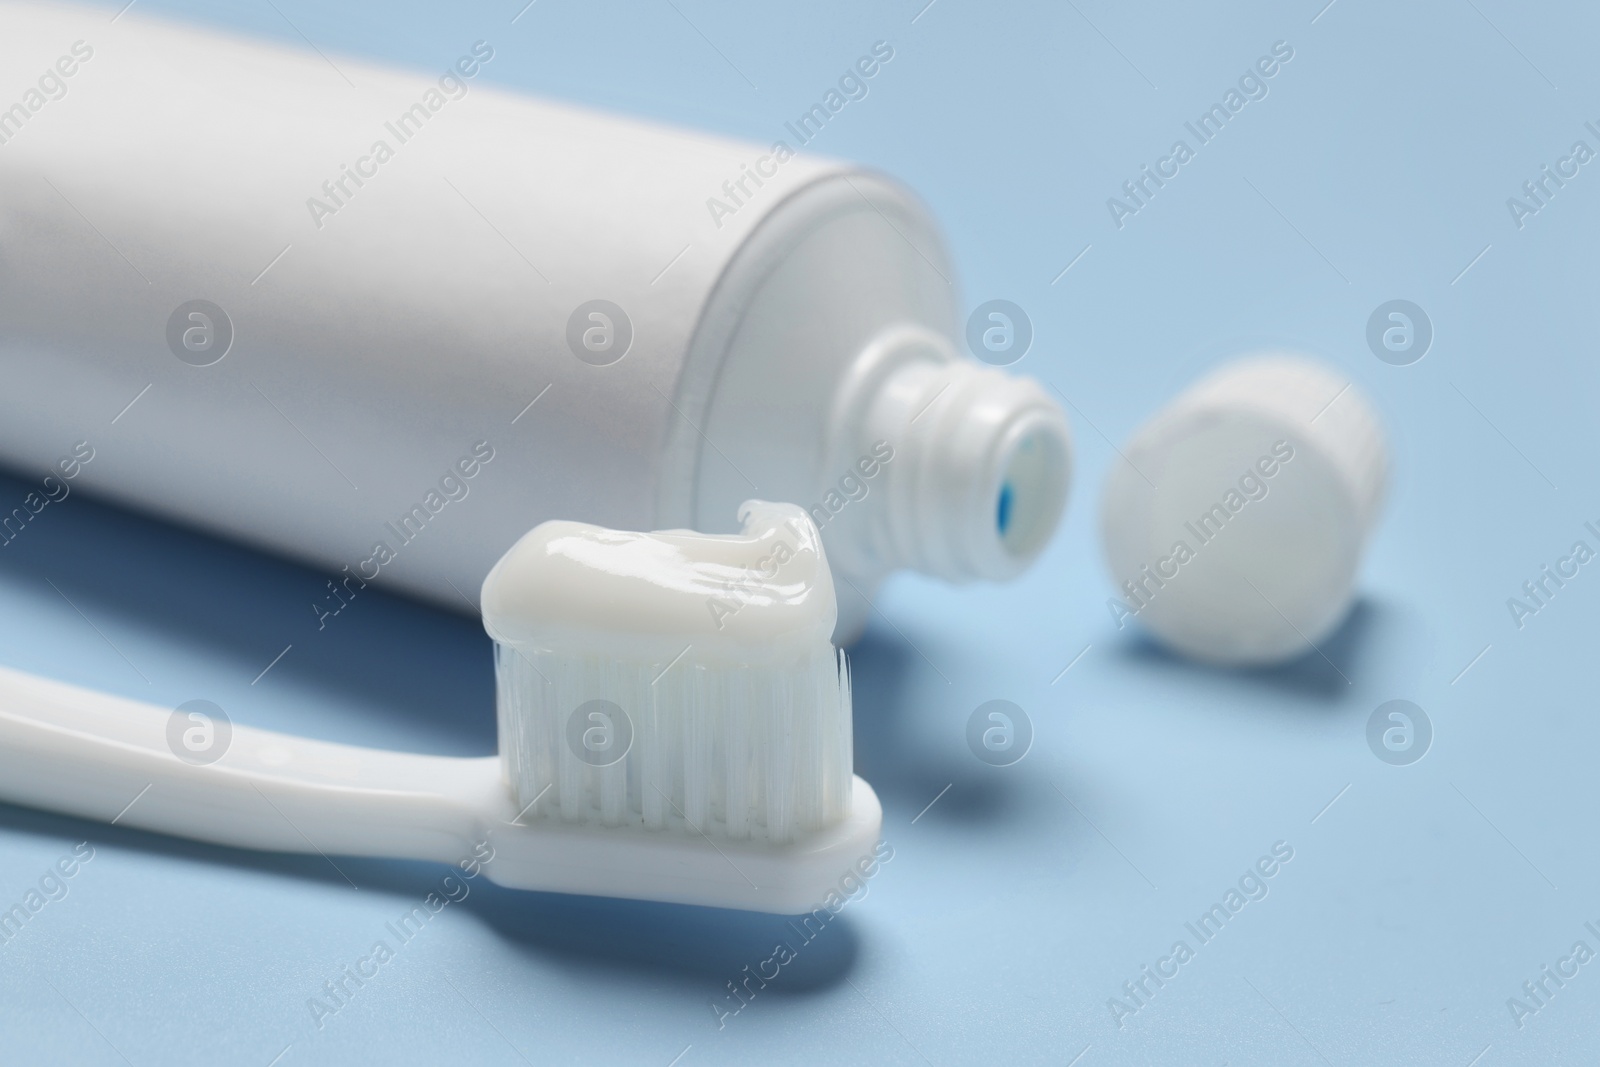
[90, 754]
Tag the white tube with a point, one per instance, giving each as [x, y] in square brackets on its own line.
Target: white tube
[408, 263]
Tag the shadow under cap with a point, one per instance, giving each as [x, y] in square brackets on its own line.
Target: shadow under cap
[1324, 676]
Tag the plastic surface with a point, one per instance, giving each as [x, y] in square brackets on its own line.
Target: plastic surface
[432, 314]
[866, 414]
[1235, 521]
[101, 757]
[983, 466]
[191, 772]
[414, 369]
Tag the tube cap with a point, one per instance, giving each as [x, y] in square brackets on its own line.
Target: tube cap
[1236, 525]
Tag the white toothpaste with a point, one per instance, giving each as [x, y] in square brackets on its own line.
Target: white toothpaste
[571, 587]
[631, 695]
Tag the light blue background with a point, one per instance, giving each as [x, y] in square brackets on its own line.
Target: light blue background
[1026, 896]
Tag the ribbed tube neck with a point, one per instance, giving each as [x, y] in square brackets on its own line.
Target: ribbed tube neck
[980, 461]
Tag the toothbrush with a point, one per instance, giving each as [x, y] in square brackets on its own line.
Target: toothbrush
[675, 725]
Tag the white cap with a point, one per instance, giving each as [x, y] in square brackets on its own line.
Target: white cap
[1235, 527]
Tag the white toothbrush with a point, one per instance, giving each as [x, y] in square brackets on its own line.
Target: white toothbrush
[718, 770]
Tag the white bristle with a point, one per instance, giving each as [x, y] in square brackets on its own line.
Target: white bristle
[742, 752]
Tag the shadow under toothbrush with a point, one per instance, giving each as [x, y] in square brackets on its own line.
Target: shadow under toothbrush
[586, 935]
[1335, 669]
[914, 754]
[596, 934]
[386, 671]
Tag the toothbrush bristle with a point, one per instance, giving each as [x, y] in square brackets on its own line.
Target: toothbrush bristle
[740, 752]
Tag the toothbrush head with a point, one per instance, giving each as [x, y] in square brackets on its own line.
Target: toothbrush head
[675, 722]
